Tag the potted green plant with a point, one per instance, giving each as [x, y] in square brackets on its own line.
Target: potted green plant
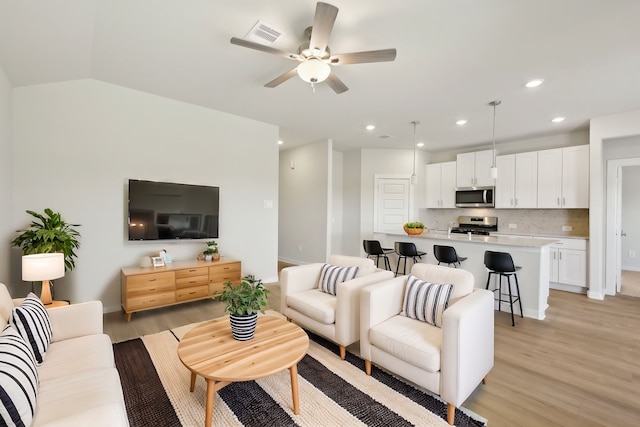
[49, 233]
[414, 228]
[211, 253]
[244, 301]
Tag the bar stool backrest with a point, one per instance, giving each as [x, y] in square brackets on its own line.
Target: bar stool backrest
[499, 261]
[372, 247]
[407, 249]
[445, 254]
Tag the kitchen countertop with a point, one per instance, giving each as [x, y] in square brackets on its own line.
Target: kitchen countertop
[545, 236]
[496, 240]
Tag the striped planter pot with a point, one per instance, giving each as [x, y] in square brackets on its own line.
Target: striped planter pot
[243, 327]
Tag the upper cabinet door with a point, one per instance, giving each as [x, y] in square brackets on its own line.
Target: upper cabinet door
[448, 185]
[433, 185]
[483, 163]
[550, 178]
[526, 180]
[506, 182]
[575, 177]
[466, 170]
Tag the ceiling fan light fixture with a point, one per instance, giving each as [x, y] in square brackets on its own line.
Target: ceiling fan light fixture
[314, 70]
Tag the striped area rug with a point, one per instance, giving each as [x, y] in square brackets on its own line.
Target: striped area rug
[332, 392]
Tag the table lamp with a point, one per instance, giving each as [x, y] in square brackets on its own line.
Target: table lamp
[43, 267]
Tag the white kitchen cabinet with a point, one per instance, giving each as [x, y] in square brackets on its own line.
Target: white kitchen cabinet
[441, 185]
[473, 169]
[563, 177]
[568, 263]
[517, 184]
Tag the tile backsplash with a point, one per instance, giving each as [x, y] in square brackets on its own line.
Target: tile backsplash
[548, 222]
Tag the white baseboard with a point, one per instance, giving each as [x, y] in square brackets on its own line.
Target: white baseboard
[595, 295]
[568, 288]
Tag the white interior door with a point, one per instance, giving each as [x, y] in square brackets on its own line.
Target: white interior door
[392, 203]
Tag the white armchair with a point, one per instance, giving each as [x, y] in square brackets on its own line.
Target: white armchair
[336, 318]
[450, 361]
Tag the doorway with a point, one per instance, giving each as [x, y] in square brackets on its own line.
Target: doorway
[623, 233]
[393, 203]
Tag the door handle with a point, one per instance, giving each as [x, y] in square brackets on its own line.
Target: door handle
[623, 234]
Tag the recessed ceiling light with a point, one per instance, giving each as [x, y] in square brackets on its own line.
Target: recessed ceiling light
[280, 142]
[420, 144]
[558, 120]
[370, 127]
[534, 83]
[461, 122]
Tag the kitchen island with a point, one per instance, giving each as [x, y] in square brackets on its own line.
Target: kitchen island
[530, 254]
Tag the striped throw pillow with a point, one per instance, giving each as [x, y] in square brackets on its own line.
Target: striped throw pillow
[32, 322]
[18, 380]
[331, 275]
[426, 301]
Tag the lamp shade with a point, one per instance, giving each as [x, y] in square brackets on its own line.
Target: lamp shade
[314, 70]
[39, 267]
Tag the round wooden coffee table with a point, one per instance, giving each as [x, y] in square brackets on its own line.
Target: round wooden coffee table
[210, 351]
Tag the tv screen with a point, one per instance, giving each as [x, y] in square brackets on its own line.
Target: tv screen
[170, 211]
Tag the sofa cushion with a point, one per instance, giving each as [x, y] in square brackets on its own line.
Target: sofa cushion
[18, 379]
[425, 301]
[76, 355]
[413, 341]
[91, 398]
[31, 320]
[6, 306]
[315, 304]
[462, 280]
[331, 275]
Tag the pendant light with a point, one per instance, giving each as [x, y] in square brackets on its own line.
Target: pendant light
[414, 178]
[493, 172]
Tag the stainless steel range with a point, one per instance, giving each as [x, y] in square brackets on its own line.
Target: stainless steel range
[476, 225]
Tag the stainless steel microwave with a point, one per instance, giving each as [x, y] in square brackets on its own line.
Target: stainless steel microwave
[475, 197]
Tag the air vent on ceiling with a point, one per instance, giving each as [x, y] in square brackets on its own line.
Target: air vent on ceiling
[384, 136]
[264, 33]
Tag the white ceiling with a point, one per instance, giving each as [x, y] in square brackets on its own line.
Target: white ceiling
[454, 56]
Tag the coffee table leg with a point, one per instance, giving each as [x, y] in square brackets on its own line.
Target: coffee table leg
[193, 381]
[293, 370]
[211, 392]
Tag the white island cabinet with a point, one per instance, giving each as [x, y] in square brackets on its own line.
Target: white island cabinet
[530, 254]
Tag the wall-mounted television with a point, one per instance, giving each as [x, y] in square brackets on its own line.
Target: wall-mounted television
[172, 211]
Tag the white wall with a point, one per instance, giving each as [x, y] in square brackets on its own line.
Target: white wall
[337, 207]
[352, 214]
[6, 229]
[305, 203]
[601, 130]
[77, 143]
[630, 211]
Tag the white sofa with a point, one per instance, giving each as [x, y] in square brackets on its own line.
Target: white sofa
[79, 384]
[450, 361]
[336, 318]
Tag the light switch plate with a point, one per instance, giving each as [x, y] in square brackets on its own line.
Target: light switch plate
[567, 228]
[513, 225]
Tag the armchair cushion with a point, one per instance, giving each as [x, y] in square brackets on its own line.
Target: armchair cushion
[18, 379]
[413, 341]
[317, 305]
[425, 301]
[31, 320]
[331, 275]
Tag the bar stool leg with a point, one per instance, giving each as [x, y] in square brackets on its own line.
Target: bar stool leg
[513, 322]
[519, 297]
[398, 264]
[499, 278]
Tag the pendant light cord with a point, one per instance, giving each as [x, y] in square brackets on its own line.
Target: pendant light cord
[494, 104]
[414, 123]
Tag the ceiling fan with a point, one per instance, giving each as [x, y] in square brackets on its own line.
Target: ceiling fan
[314, 57]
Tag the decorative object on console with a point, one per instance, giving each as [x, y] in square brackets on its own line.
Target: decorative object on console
[244, 301]
[43, 268]
[50, 234]
[211, 253]
[494, 170]
[414, 228]
[145, 261]
[157, 261]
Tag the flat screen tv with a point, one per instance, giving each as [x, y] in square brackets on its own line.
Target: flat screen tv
[172, 211]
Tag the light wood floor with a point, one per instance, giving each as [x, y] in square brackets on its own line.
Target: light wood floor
[579, 367]
[630, 283]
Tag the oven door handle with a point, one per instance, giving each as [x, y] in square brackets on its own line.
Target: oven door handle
[484, 196]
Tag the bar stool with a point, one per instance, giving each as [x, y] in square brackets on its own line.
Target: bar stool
[407, 250]
[448, 255]
[374, 248]
[501, 264]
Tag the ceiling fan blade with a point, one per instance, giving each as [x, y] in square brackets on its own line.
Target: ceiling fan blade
[383, 55]
[282, 78]
[336, 84]
[263, 48]
[322, 25]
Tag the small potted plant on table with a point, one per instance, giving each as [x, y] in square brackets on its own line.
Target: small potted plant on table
[244, 301]
[211, 253]
[414, 228]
